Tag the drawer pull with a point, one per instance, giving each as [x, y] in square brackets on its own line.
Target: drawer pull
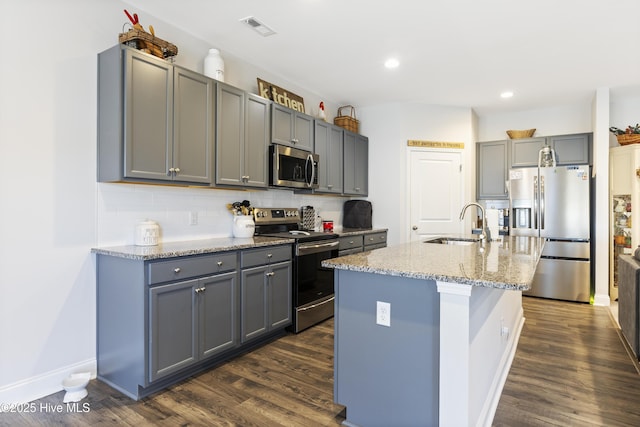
[176, 270]
[219, 263]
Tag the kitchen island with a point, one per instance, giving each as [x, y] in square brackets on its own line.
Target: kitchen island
[425, 332]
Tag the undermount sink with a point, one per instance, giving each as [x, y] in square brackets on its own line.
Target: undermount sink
[452, 241]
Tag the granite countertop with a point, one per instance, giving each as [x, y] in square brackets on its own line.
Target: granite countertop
[507, 263]
[355, 231]
[189, 247]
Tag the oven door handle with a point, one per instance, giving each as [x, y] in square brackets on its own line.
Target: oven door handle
[312, 248]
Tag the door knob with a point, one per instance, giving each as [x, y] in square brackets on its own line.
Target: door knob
[414, 228]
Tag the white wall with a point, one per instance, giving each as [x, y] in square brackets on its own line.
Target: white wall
[556, 120]
[389, 127]
[53, 211]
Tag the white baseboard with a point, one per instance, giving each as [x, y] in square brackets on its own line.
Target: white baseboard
[43, 385]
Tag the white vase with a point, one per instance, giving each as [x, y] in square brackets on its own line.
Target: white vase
[214, 65]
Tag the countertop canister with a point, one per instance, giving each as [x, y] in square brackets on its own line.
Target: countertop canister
[243, 226]
[147, 233]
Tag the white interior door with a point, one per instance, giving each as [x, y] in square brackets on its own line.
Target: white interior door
[435, 193]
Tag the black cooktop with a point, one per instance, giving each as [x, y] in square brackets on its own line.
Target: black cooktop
[300, 235]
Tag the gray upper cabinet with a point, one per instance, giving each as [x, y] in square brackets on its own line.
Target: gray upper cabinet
[229, 135]
[356, 164]
[524, 152]
[193, 133]
[242, 141]
[155, 121]
[328, 143]
[291, 128]
[256, 141]
[572, 149]
[492, 168]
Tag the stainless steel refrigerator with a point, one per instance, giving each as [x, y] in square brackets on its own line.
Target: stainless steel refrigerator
[553, 202]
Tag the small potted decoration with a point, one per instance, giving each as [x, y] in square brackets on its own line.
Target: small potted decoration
[630, 135]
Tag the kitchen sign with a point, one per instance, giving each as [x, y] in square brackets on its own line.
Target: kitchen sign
[435, 144]
[280, 96]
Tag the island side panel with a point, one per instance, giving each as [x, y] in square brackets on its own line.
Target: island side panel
[479, 330]
[496, 320]
[386, 375]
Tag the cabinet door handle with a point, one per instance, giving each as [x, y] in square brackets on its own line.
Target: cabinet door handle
[270, 274]
[177, 170]
[219, 263]
[176, 270]
[357, 188]
[269, 255]
[171, 170]
[202, 289]
[329, 186]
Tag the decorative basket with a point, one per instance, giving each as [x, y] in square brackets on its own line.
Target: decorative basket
[628, 138]
[347, 122]
[516, 134]
[142, 40]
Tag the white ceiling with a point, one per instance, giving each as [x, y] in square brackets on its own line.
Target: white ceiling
[451, 52]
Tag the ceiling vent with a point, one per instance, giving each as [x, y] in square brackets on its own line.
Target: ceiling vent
[258, 26]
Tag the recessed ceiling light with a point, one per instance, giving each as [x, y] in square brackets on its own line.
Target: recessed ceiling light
[391, 63]
[258, 26]
[507, 94]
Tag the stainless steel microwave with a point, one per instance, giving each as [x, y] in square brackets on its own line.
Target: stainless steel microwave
[293, 168]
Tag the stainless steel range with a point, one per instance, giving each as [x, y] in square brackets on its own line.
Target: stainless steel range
[312, 284]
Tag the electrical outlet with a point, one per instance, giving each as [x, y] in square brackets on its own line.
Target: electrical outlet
[193, 218]
[383, 313]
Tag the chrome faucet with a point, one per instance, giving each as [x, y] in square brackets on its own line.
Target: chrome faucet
[485, 233]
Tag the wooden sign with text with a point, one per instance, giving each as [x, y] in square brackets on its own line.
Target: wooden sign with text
[280, 96]
[435, 144]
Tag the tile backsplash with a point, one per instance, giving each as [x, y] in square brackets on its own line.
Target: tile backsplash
[188, 213]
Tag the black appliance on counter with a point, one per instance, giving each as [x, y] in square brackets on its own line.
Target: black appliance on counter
[357, 214]
[293, 168]
[313, 292]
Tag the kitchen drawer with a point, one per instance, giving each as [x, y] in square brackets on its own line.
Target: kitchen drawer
[375, 239]
[350, 251]
[375, 246]
[254, 257]
[350, 242]
[191, 266]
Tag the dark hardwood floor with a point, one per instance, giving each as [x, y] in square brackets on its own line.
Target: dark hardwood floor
[571, 368]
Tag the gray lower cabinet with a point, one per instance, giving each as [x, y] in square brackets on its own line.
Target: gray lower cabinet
[191, 321]
[375, 240]
[242, 138]
[160, 321]
[355, 243]
[492, 169]
[328, 144]
[356, 164]
[265, 291]
[155, 120]
[291, 128]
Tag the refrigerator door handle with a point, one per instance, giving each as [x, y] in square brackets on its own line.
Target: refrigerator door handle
[542, 203]
[535, 202]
